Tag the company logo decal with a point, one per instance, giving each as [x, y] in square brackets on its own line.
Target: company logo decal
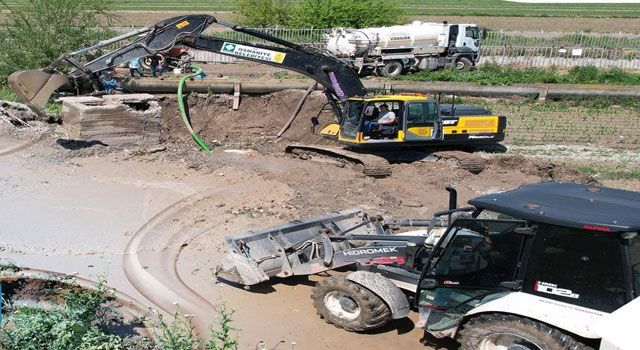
[371, 251]
[253, 52]
[550, 288]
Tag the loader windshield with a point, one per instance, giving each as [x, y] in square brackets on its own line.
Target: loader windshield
[480, 253]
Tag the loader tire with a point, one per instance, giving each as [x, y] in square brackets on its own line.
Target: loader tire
[348, 305]
[392, 69]
[498, 331]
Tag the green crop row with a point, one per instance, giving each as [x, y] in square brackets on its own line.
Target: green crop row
[494, 74]
[417, 7]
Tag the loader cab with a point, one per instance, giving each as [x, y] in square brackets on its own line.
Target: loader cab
[417, 120]
[543, 252]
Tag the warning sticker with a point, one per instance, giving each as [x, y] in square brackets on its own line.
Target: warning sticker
[253, 52]
[182, 24]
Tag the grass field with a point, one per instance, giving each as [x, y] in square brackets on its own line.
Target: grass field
[418, 7]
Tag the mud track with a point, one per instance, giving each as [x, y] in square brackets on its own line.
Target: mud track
[21, 145]
[152, 256]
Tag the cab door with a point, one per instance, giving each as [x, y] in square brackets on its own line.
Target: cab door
[351, 123]
[475, 259]
[423, 122]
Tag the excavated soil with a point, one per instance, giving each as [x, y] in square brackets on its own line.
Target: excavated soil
[254, 124]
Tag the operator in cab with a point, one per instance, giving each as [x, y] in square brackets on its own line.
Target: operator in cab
[385, 117]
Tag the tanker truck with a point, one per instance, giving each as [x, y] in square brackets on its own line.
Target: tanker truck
[391, 51]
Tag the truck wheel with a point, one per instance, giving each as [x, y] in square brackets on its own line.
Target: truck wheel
[348, 305]
[463, 63]
[391, 69]
[498, 331]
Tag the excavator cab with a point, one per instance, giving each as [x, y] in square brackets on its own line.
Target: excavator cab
[417, 121]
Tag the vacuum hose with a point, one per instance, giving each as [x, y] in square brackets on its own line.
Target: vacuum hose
[183, 111]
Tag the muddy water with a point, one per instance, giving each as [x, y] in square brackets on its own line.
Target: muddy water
[150, 260]
[78, 216]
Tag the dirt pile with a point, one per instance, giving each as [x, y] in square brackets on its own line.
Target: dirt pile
[254, 124]
[544, 169]
[14, 111]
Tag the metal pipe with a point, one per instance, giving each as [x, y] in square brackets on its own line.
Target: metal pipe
[462, 89]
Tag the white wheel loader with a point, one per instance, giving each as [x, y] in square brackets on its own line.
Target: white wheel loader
[548, 266]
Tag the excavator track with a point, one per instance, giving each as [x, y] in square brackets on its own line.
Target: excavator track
[370, 164]
[468, 161]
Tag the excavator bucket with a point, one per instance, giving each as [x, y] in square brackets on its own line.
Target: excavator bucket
[34, 87]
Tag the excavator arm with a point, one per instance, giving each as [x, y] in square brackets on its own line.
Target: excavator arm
[35, 87]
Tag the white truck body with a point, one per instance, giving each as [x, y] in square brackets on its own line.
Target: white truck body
[418, 45]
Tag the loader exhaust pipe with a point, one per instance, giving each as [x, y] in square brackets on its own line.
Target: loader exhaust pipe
[453, 197]
[34, 87]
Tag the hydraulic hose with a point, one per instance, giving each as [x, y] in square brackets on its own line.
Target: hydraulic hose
[183, 111]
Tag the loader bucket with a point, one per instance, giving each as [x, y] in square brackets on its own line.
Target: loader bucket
[34, 87]
[300, 247]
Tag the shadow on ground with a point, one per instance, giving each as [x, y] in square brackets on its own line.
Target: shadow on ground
[77, 144]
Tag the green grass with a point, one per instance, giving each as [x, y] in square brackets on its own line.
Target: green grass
[493, 74]
[6, 94]
[607, 173]
[418, 7]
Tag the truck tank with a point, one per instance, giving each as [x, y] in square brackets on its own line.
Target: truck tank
[343, 42]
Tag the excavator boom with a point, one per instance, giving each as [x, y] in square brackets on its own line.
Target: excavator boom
[35, 87]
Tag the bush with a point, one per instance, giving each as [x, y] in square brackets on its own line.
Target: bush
[78, 324]
[222, 337]
[320, 13]
[175, 335]
[352, 14]
[39, 31]
[263, 13]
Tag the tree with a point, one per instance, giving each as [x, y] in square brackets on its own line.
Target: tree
[320, 13]
[340, 13]
[264, 13]
[36, 32]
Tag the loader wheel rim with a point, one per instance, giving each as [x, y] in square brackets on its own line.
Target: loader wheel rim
[342, 305]
[460, 65]
[507, 341]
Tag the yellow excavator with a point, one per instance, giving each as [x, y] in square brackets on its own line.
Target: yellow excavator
[420, 121]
